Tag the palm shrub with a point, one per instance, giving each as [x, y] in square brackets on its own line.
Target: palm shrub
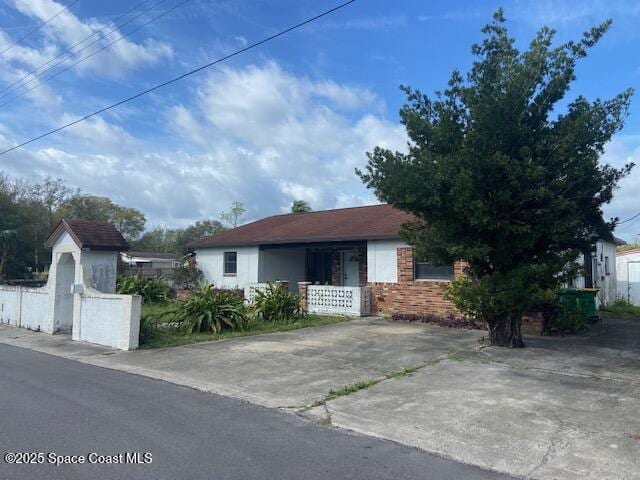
[209, 310]
[128, 285]
[277, 304]
[152, 290]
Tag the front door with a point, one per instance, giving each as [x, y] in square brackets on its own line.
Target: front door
[350, 269]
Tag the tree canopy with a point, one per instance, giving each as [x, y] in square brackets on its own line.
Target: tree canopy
[234, 215]
[503, 175]
[300, 206]
[29, 212]
[129, 221]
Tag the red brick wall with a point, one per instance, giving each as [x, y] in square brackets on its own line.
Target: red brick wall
[336, 266]
[409, 295]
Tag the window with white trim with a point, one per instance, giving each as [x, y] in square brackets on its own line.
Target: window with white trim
[230, 263]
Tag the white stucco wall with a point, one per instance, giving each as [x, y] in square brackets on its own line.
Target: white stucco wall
[9, 298]
[99, 270]
[211, 262]
[628, 277]
[107, 319]
[282, 264]
[382, 260]
[24, 307]
[92, 315]
[607, 283]
[35, 307]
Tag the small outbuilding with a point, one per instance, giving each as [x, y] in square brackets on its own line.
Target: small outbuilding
[79, 297]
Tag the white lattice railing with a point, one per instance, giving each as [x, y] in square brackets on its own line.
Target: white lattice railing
[250, 290]
[339, 300]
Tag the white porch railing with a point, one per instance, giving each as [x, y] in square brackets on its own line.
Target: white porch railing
[339, 300]
[251, 289]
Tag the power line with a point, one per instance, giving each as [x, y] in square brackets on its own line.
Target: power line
[184, 75]
[130, 32]
[71, 48]
[38, 27]
[630, 218]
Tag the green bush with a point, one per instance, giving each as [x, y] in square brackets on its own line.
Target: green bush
[147, 324]
[127, 285]
[208, 310]
[152, 290]
[277, 305]
[568, 320]
[187, 276]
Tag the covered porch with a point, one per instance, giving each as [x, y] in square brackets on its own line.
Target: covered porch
[330, 276]
[338, 264]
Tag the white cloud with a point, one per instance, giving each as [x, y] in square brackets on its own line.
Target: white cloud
[65, 31]
[620, 151]
[259, 134]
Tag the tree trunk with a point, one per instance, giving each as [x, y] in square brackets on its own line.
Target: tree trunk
[505, 331]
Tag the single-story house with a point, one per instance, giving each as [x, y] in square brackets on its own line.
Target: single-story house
[146, 260]
[149, 264]
[352, 248]
[628, 272]
[357, 248]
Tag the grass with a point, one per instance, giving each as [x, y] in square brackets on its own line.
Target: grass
[166, 336]
[393, 375]
[349, 389]
[622, 308]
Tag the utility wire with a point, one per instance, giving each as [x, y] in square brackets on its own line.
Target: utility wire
[72, 47]
[629, 219]
[88, 56]
[184, 75]
[38, 27]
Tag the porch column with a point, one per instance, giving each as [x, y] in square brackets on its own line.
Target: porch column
[302, 291]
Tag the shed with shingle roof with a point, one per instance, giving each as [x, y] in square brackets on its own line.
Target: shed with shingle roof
[90, 235]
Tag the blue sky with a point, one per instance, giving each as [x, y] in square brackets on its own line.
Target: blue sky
[291, 119]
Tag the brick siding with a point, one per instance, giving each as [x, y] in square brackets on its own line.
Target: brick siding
[336, 266]
[409, 295]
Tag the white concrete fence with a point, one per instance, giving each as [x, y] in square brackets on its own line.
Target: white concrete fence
[330, 300]
[325, 299]
[101, 318]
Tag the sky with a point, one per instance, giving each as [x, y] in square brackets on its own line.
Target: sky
[289, 120]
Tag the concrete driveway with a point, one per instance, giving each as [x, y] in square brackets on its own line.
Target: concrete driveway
[283, 370]
[562, 408]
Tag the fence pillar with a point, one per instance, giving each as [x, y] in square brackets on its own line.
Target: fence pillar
[303, 291]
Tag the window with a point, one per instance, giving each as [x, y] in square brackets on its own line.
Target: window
[230, 263]
[426, 271]
[606, 266]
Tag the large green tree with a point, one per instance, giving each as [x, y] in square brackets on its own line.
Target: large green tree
[503, 174]
[172, 240]
[129, 221]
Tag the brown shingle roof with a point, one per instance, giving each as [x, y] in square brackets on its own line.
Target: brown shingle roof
[90, 234]
[373, 222]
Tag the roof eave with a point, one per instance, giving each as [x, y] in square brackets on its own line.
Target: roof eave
[293, 240]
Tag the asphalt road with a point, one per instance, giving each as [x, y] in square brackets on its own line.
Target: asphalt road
[53, 405]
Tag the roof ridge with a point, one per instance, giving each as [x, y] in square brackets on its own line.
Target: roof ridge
[329, 210]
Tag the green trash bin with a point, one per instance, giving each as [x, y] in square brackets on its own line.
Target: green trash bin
[587, 302]
[579, 301]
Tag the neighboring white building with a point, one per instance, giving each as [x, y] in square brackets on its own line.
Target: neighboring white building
[600, 271]
[149, 260]
[628, 272]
